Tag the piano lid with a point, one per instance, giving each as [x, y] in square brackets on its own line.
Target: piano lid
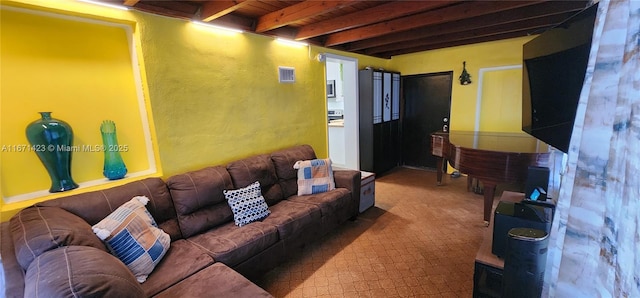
[497, 141]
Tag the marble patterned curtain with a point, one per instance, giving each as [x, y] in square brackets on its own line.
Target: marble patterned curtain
[594, 247]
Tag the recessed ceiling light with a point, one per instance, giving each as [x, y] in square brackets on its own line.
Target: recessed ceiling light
[199, 23]
[110, 5]
[291, 42]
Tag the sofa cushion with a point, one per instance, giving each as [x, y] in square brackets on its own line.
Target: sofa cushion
[314, 176]
[247, 204]
[131, 234]
[80, 271]
[283, 161]
[36, 230]
[216, 280]
[257, 168]
[182, 260]
[199, 200]
[330, 203]
[292, 218]
[96, 205]
[231, 244]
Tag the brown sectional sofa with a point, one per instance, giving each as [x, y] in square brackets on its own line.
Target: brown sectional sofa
[49, 250]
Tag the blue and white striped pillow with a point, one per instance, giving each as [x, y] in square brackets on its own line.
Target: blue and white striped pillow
[132, 235]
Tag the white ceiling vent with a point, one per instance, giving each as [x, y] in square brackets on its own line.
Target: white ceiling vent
[286, 74]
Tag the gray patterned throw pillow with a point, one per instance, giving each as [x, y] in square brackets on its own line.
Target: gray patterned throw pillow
[248, 204]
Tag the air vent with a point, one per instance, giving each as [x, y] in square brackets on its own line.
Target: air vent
[286, 74]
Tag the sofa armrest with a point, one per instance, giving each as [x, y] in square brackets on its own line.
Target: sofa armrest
[351, 180]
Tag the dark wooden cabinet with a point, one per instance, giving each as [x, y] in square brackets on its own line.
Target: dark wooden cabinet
[379, 102]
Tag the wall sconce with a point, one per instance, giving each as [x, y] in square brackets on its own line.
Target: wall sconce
[465, 77]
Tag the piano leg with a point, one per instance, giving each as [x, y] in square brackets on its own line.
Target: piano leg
[489, 192]
[477, 189]
[440, 168]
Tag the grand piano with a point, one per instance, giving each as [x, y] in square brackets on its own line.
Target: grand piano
[490, 157]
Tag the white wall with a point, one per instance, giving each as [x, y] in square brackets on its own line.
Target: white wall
[333, 73]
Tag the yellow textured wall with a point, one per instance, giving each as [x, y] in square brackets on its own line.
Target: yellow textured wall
[216, 96]
[499, 88]
[501, 103]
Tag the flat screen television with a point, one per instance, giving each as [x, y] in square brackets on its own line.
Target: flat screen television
[554, 67]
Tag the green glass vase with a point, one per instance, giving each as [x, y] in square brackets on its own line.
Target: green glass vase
[114, 167]
[51, 140]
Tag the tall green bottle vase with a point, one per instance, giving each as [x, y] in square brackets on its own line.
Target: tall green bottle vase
[114, 167]
[51, 139]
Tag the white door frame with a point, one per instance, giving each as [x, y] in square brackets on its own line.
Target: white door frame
[480, 88]
[351, 108]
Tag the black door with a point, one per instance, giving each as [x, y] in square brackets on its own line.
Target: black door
[427, 101]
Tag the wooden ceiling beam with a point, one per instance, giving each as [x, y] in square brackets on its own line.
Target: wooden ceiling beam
[437, 16]
[369, 16]
[559, 9]
[212, 10]
[143, 6]
[522, 25]
[385, 28]
[234, 21]
[130, 3]
[296, 12]
[452, 44]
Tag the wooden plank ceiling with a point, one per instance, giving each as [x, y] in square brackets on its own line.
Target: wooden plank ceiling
[374, 28]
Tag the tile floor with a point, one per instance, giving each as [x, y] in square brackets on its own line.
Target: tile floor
[420, 240]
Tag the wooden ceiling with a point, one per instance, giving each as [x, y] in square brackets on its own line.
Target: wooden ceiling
[374, 28]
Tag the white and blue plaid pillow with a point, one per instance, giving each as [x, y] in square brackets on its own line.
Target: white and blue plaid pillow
[132, 235]
[248, 204]
[314, 176]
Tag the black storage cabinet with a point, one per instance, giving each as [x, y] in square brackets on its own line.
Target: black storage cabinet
[380, 138]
